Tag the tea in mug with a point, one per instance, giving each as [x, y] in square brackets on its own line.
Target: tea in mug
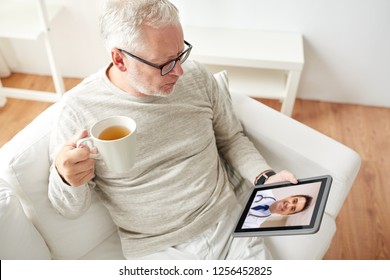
[114, 132]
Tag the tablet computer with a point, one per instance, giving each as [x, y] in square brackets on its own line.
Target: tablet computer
[285, 208]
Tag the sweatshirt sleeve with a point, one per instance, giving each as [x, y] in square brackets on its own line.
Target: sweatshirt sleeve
[233, 145]
[69, 201]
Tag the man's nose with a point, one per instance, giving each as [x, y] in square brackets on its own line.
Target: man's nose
[177, 70]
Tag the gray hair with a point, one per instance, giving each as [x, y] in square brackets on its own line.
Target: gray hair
[121, 21]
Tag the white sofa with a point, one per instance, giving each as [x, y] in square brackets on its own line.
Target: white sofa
[31, 229]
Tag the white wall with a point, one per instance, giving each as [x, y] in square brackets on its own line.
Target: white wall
[347, 42]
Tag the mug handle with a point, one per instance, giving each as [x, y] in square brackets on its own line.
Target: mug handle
[89, 143]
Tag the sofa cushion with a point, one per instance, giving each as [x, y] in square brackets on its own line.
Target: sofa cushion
[25, 164]
[19, 239]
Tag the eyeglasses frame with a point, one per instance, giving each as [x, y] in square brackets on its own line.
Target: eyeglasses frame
[160, 67]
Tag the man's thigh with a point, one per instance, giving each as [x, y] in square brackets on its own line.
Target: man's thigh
[248, 248]
[217, 243]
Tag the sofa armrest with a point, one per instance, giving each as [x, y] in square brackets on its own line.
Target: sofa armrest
[19, 239]
[303, 247]
[288, 144]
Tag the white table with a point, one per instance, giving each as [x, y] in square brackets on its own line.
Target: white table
[259, 63]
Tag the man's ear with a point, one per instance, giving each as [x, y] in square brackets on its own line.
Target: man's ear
[117, 58]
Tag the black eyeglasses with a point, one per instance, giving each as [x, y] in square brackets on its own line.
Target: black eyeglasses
[166, 67]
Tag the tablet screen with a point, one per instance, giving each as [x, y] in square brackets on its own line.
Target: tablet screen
[285, 208]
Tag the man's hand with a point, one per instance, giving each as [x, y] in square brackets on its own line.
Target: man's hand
[73, 164]
[282, 176]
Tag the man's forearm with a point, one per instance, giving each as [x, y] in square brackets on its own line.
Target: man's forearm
[70, 202]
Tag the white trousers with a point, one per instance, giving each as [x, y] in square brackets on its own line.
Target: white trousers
[216, 243]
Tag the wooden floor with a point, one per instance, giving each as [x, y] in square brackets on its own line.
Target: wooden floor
[364, 222]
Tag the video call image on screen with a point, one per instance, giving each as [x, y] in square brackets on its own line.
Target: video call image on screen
[282, 206]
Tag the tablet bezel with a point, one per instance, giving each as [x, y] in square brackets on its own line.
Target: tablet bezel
[315, 222]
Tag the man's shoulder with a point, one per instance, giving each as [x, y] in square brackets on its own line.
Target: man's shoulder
[196, 74]
[89, 85]
[195, 68]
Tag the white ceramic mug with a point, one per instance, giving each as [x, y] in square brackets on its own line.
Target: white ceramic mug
[118, 153]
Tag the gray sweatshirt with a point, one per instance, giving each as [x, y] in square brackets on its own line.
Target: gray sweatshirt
[178, 186]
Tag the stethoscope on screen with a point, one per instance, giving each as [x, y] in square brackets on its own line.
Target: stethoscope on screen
[258, 199]
[263, 197]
